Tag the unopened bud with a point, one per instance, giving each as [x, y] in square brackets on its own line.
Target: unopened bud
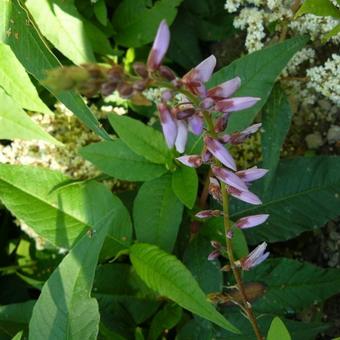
[125, 90]
[167, 73]
[107, 88]
[184, 114]
[140, 85]
[140, 69]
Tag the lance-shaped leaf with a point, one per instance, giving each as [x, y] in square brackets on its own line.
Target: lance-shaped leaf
[18, 31]
[16, 82]
[319, 7]
[292, 285]
[304, 195]
[117, 160]
[278, 330]
[157, 213]
[16, 124]
[165, 274]
[62, 215]
[72, 313]
[141, 139]
[258, 72]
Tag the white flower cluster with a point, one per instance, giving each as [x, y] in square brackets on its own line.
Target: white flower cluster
[305, 55]
[326, 79]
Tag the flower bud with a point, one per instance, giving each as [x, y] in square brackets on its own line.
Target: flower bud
[167, 73]
[140, 69]
[125, 90]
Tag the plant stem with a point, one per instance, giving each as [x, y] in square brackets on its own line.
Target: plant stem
[236, 272]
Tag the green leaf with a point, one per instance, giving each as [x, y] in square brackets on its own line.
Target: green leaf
[167, 318]
[72, 313]
[141, 139]
[16, 124]
[276, 120]
[304, 195]
[278, 330]
[333, 32]
[100, 11]
[166, 275]
[318, 7]
[258, 72]
[136, 22]
[185, 185]
[61, 216]
[292, 285]
[18, 31]
[16, 82]
[15, 317]
[117, 160]
[18, 336]
[206, 273]
[60, 22]
[157, 213]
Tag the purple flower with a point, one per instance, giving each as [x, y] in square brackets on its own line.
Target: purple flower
[182, 136]
[215, 189]
[235, 104]
[225, 89]
[254, 258]
[194, 161]
[169, 125]
[240, 137]
[209, 213]
[220, 152]
[206, 156]
[251, 174]
[159, 47]
[221, 122]
[245, 196]
[216, 252]
[196, 124]
[229, 178]
[251, 221]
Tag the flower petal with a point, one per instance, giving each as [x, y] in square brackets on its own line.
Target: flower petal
[169, 125]
[245, 196]
[196, 124]
[236, 104]
[251, 174]
[229, 178]
[251, 221]
[225, 89]
[254, 258]
[206, 68]
[194, 161]
[209, 213]
[182, 136]
[159, 47]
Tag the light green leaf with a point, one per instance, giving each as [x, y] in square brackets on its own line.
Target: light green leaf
[60, 22]
[18, 336]
[136, 22]
[185, 185]
[157, 213]
[278, 330]
[304, 195]
[15, 81]
[100, 11]
[292, 285]
[141, 139]
[18, 31]
[61, 216]
[72, 313]
[16, 124]
[333, 32]
[258, 72]
[117, 160]
[318, 7]
[276, 118]
[165, 274]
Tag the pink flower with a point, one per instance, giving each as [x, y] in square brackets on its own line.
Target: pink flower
[235, 104]
[182, 136]
[209, 213]
[245, 196]
[229, 178]
[194, 161]
[159, 47]
[256, 257]
[251, 174]
[220, 152]
[240, 137]
[169, 125]
[225, 89]
[216, 252]
[251, 221]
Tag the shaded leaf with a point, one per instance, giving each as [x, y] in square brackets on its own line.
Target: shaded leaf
[100, 11]
[258, 72]
[169, 277]
[157, 213]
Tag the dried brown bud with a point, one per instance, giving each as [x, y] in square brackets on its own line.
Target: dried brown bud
[140, 69]
[107, 88]
[115, 73]
[125, 90]
[167, 73]
[183, 114]
[140, 85]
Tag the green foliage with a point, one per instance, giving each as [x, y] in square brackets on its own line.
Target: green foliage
[278, 330]
[168, 276]
[141, 139]
[136, 21]
[16, 124]
[100, 11]
[61, 216]
[304, 195]
[66, 294]
[18, 31]
[258, 72]
[117, 160]
[157, 213]
[185, 185]
[319, 7]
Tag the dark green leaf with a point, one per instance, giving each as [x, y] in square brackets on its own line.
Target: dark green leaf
[66, 294]
[278, 330]
[258, 72]
[166, 275]
[136, 21]
[100, 11]
[117, 160]
[157, 213]
[18, 31]
[185, 185]
[304, 195]
[141, 139]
